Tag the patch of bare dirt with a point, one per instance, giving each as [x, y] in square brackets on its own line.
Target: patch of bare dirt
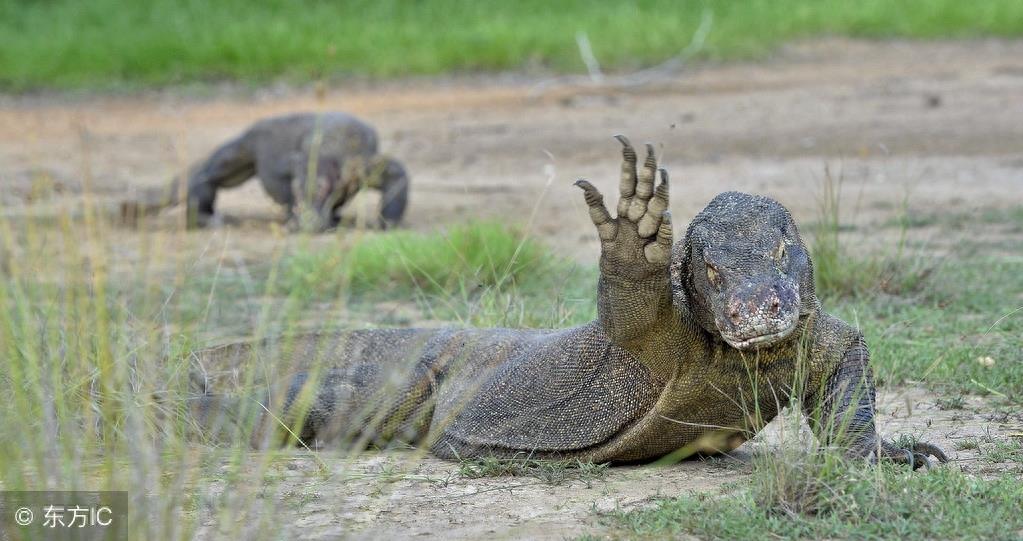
[404, 494]
[937, 125]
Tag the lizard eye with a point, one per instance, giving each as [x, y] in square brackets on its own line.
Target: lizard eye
[779, 252]
[713, 276]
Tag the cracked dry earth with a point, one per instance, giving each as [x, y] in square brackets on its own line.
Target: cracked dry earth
[935, 127]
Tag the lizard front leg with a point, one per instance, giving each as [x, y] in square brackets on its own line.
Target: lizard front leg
[633, 291]
[842, 413]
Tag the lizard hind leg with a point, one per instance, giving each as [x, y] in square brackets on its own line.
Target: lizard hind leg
[303, 412]
[352, 407]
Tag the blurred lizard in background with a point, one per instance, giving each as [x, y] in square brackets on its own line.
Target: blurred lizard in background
[311, 163]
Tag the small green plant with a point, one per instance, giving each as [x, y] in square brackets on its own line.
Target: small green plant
[1004, 451]
[550, 472]
[954, 402]
[841, 271]
[967, 444]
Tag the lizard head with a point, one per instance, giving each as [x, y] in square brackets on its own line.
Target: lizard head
[387, 175]
[743, 271]
[338, 181]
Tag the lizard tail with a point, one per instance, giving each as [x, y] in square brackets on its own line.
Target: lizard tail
[151, 201]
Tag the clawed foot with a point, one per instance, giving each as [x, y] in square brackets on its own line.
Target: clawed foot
[915, 457]
[640, 236]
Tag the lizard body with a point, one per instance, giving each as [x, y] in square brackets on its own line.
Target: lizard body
[697, 345]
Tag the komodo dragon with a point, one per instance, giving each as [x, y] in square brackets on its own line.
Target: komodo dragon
[338, 149]
[696, 346]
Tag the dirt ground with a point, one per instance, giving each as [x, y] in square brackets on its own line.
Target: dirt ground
[404, 495]
[939, 125]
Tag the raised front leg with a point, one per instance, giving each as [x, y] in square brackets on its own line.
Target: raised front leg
[633, 291]
[842, 414]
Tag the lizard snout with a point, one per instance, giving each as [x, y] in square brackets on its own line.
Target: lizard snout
[759, 313]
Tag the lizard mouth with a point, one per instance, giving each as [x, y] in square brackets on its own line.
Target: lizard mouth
[759, 340]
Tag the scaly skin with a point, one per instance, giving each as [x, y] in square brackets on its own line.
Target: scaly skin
[339, 150]
[696, 347]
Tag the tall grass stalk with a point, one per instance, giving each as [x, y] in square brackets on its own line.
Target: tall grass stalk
[844, 267]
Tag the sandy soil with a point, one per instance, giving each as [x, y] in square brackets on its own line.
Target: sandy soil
[939, 125]
[402, 495]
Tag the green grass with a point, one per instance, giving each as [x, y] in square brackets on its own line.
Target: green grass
[1004, 451]
[952, 321]
[799, 497]
[484, 255]
[963, 331]
[960, 328]
[105, 43]
[485, 274]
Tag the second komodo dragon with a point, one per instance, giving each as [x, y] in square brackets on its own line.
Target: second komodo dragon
[696, 346]
[336, 150]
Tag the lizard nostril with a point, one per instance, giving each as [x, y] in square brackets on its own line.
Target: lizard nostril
[735, 316]
[775, 305]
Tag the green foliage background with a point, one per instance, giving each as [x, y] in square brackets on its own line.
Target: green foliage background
[109, 43]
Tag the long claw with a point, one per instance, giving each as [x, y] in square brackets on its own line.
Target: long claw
[909, 458]
[664, 232]
[651, 158]
[606, 226]
[932, 450]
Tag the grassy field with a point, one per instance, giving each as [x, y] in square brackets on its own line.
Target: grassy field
[101, 44]
[97, 365]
